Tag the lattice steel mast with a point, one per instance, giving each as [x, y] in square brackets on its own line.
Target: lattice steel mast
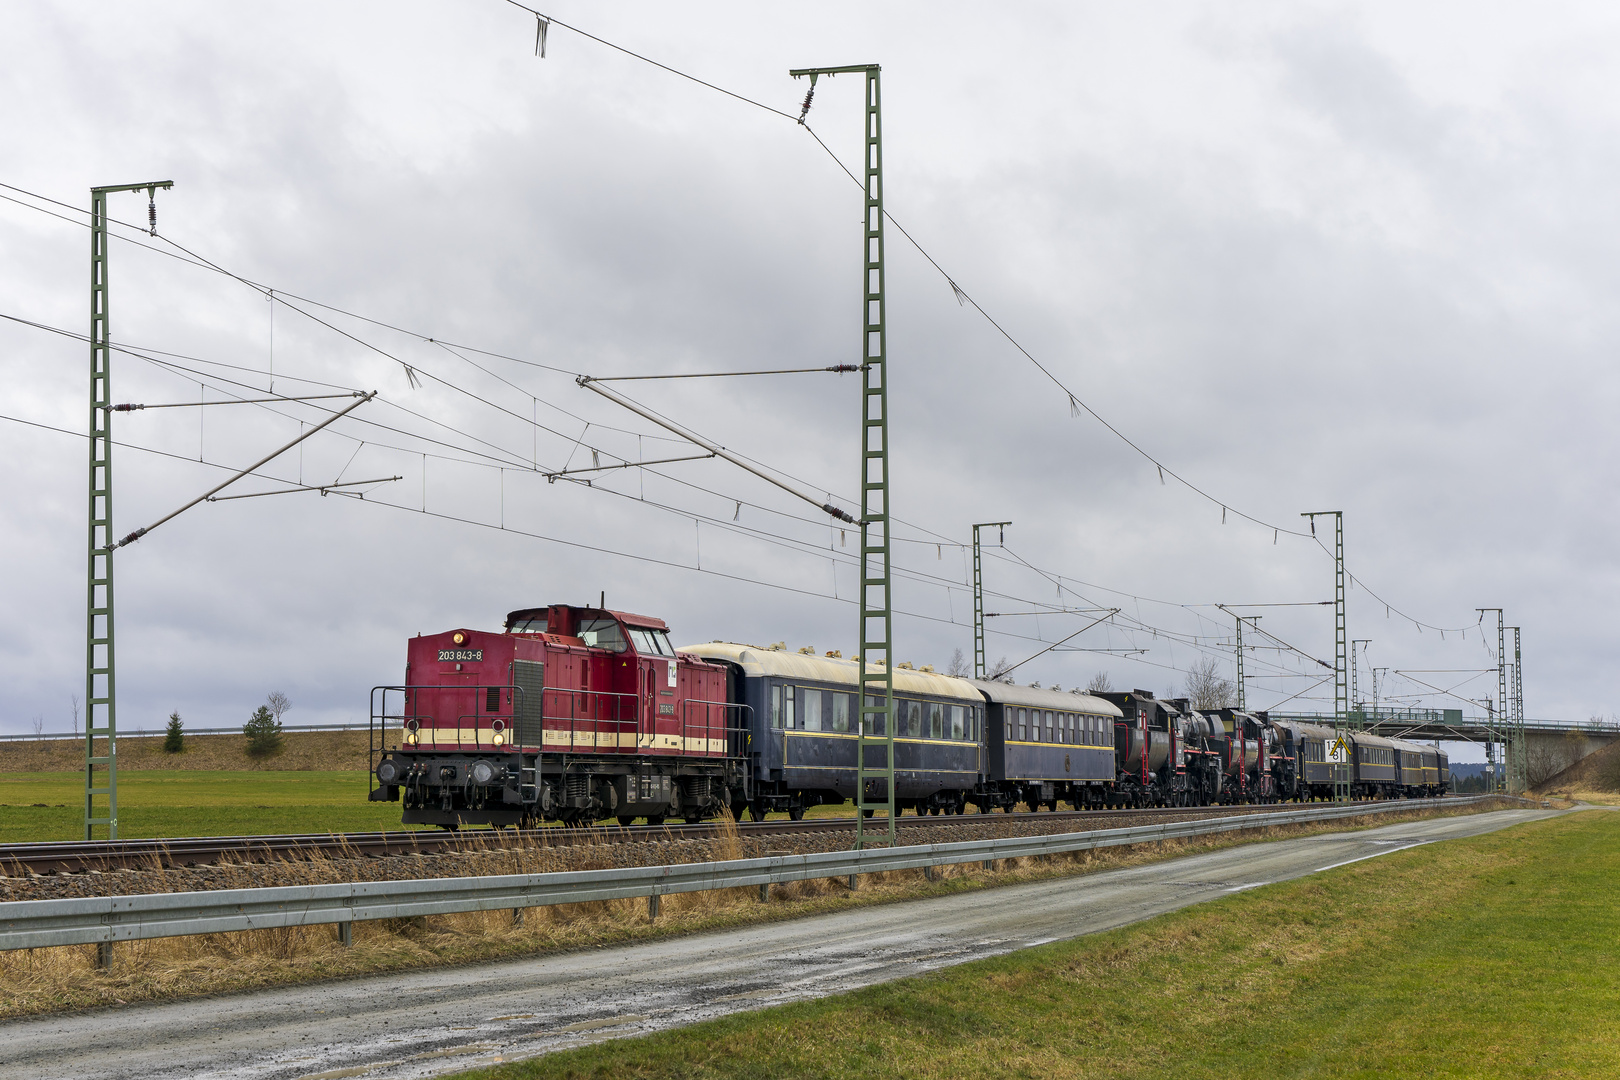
[100, 682]
[1501, 711]
[1341, 688]
[1356, 704]
[1515, 718]
[979, 668]
[875, 744]
[1242, 693]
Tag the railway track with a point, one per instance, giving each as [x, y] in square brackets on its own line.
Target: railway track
[71, 857]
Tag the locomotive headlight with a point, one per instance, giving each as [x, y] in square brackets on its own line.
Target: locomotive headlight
[459, 638]
[482, 772]
[388, 771]
[410, 738]
[499, 739]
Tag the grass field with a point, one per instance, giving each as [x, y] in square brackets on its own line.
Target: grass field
[50, 805]
[1497, 956]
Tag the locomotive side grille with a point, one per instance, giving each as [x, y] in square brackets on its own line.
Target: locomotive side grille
[492, 699]
[529, 680]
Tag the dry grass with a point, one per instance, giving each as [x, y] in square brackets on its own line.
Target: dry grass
[1594, 779]
[46, 980]
[302, 751]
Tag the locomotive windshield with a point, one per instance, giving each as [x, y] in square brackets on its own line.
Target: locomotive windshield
[651, 642]
[602, 634]
[535, 624]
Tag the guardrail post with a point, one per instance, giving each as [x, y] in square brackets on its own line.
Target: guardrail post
[652, 908]
[345, 934]
[852, 879]
[764, 891]
[104, 955]
[928, 872]
[988, 864]
[517, 916]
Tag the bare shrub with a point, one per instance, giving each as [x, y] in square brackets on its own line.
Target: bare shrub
[1207, 689]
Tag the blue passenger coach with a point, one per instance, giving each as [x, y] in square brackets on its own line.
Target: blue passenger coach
[802, 724]
[1045, 745]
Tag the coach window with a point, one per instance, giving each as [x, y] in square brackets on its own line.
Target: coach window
[913, 715]
[1051, 727]
[810, 708]
[787, 708]
[776, 707]
[874, 722]
[936, 720]
[958, 724]
[840, 710]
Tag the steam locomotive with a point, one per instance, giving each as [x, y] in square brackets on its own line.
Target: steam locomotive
[580, 714]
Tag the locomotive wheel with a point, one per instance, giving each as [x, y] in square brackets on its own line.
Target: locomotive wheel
[795, 813]
[692, 819]
[867, 813]
[655, 819]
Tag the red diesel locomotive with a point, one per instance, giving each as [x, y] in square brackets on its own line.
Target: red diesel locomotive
[572, 713]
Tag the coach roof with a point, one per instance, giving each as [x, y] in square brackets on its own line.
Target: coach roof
[780, 664]
[1057, 700]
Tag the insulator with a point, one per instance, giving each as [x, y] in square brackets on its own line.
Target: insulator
[804, 110]
[151, 214]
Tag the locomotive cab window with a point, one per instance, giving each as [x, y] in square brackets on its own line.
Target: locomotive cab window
[651, 642]
[602, 634]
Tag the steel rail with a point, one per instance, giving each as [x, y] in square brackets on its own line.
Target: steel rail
[44, 858]
[104, 920]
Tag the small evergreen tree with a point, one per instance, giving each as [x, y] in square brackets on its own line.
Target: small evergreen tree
[263, 733]
[174, 738]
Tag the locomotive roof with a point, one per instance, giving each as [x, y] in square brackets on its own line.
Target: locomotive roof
[1013, 694]
[775, 663]
[644, 622]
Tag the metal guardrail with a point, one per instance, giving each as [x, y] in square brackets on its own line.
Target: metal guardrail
[142, 733]
[33, 924]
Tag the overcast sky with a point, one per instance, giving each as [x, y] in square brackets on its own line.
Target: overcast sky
[1307, 256]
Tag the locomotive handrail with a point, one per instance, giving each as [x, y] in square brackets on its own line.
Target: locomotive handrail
[33, 924]
[730, 730]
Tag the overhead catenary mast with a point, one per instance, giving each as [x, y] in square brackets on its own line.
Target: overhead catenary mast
[979, 668]
[100, 674]
[874, 771]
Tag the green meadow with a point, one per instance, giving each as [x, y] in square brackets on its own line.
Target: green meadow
[50, 805]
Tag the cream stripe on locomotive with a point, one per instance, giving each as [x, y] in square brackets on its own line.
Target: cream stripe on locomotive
[598, 740]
